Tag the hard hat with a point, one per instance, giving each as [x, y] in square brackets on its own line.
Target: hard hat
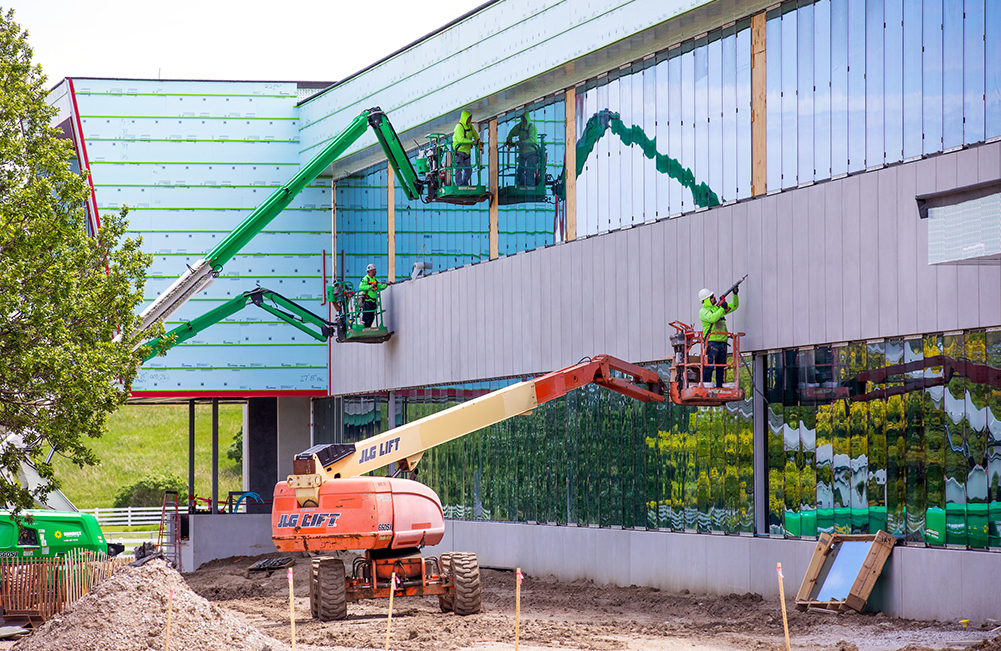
[371, 267]
[704, 294]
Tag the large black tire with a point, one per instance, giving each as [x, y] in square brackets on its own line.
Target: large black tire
[327, 590]
[466, 574]
[445, 566]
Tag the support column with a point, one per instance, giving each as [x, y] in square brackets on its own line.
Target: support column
[494, 164]
[570, 166]
[191, 456]
[215, 456]
[293, 432]
[759, 409]
[759, 94]
[391, 219]
[262, 450]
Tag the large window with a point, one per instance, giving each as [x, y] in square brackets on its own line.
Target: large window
[857, 84]
[896, 434]
[670, 134]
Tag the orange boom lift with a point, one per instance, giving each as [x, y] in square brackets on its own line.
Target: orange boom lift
[327, 503]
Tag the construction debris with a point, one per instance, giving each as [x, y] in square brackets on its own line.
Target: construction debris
[128, 612]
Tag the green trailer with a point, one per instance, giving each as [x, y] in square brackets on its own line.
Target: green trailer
[41, 533]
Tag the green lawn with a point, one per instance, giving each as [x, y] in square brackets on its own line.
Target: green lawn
[153, 439]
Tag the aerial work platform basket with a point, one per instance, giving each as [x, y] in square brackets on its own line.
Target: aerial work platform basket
[688, 370]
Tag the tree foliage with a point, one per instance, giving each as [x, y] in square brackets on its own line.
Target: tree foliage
[64, 295]
[148, 491]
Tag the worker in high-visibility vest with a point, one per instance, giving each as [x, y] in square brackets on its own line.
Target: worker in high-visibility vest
[528, 150]
[464, 137]
[714, 333]
[369, 288]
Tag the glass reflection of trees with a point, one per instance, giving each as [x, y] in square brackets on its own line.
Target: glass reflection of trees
[902, 435]
[598, 458]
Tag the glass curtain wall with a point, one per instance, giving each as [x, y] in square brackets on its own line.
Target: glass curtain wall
[898, 434]
[598, 458]
[857, 84]
[668, 135]
[362, 224]
[530, 177]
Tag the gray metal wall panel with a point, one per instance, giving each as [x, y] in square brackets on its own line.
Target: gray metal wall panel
[968, 276]
[927, 280]
[800, 279]
[573, 301]
[906, 227]
[636, 329]
[785, 247]
[707, 237]
[772, 249]
[755, 290]
[887, 220]
[537, 330]
[741, 255]
[870, 253]
[687, 302]
[834, 260]
[816, 217]
[947, 276]
[990, 276]
[483, 329]
[851, 270]
[651, 270]
[591, 313]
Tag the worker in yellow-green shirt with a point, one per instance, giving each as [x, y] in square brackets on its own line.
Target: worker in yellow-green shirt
[463, 139]
[714, 333]
[369, 288]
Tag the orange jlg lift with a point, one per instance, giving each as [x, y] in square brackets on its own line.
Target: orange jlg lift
[328, 503]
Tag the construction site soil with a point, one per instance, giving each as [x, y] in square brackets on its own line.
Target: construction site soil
[225, 606]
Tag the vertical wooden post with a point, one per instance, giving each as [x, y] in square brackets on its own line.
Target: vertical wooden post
[759, 95]
[494, 184]
[391, 226]
[570, 166]
[215, 458]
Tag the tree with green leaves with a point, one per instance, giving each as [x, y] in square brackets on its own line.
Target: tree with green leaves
[64, 295]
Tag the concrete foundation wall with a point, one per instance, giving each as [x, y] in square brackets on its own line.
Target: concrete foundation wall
[211, 537]
[917, 582]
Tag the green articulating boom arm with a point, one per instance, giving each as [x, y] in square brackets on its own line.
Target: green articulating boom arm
[286, 310]
[203, 272]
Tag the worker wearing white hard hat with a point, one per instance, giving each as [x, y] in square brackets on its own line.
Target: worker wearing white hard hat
[369, 288]
[714, 333]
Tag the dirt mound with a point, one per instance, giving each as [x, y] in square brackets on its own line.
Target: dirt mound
[128, 612]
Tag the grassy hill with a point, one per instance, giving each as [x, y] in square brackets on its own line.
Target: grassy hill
[153, 439]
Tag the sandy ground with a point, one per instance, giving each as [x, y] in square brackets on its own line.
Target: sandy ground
[559, 615]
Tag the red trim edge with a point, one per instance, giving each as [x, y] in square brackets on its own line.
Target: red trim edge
[226, 394]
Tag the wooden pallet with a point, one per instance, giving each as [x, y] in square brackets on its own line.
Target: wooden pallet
[882, 545]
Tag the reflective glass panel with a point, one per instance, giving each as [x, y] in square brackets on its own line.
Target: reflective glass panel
[856, 85]
[773, 101]
[839, 87]
[893, 72]
[935, 441]
[822, 94]
[973, 71]
[932, 71]
[912, 78]
[992, 69]
[956, 443]
[874, 84]
[806, 108]
[952, 73]
[790, 142]
[743, 141]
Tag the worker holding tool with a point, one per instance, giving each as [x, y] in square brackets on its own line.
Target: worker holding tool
[714, 332]
[463, 139]
[528, 150]
[370, 288]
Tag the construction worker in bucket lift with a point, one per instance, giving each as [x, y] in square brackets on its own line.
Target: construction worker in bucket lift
[714, 333]
[528, 150]
[463, 139]
[370, 288]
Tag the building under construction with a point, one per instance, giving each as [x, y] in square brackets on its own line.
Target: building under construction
[843, 154]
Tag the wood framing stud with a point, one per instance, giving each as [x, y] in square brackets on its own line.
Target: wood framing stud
[759, 133]
[494, 228]
[570, 166]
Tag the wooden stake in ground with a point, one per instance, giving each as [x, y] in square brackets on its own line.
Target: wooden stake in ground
[782, 600]
[170, 602]
[389, 620]
[517, 606]
[291, 605]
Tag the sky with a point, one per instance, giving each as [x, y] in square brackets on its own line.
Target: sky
[252, 40]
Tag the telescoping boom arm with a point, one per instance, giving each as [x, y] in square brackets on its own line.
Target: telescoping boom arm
[202, 273]
[406, 445]
[273, 302]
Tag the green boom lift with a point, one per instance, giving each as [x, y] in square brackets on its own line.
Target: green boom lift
[431, 185]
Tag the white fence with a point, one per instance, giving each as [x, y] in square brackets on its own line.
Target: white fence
[127, 517]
